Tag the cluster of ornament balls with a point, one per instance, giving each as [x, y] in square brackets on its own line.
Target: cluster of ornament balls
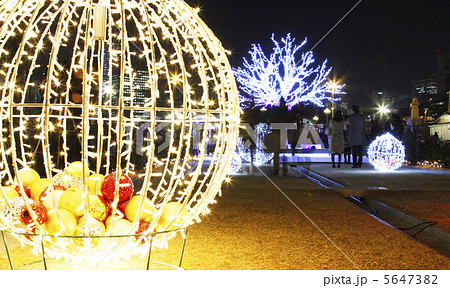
[63, 201]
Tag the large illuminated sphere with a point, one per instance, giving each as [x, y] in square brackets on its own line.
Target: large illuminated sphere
[386, 153]
[79, 80]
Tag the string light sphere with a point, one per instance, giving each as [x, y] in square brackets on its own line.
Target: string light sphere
[386, 153]
[77, 79]
[260, 157]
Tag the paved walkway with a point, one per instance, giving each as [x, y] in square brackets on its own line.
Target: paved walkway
[419, 192]
[406, 177]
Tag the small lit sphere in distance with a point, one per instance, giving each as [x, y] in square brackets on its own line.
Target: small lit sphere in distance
[386, 153]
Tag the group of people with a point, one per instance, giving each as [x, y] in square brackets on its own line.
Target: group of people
[347, 135]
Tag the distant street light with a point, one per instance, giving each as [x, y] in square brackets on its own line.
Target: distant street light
[383, 110]
[327, 111]
[334, 87]
[315, 118]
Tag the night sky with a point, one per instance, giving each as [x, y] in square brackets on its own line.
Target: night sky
[381, 44]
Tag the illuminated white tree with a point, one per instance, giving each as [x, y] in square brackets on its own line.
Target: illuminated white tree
[268, 79]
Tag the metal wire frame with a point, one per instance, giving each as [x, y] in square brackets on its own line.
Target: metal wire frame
[150, 246]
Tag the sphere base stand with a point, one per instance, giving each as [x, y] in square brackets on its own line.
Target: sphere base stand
[47, 263]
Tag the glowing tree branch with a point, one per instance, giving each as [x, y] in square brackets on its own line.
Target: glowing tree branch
[267, 80]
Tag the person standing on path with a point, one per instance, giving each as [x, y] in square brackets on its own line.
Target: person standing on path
[347, 148]
[336, 137]
[356, 135]
[394, 126]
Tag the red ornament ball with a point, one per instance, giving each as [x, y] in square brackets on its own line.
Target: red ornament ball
[55, 187]
[33, 231]
[38, 208]
[25, 188]
[109, 185]
[120, 206]
[143, 228]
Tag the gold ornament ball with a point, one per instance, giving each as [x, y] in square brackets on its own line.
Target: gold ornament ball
[94, 182]
[108, 221]
[28, 176]
[9, 193]
[72, 200]
[96, 207]
[89, 227]
[132, 207]
[51, 200]
[16, 204]
[37, 188]
[172, 214]
[67, 180]
[120, 227]
[52, 225]
[76, 169]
